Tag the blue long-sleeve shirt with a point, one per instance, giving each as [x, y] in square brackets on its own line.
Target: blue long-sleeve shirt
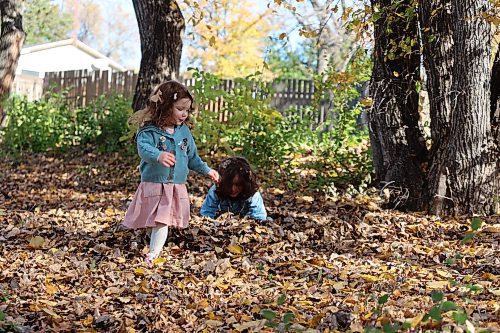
[152, 141]
[252, 207]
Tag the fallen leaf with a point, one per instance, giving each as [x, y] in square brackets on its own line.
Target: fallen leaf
[235, 249]
[36, 242]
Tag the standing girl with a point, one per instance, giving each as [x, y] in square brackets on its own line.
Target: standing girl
[237, 192]
[167, 150]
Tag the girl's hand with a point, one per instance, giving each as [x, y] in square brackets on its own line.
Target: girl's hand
[214, 175]
[166, 159]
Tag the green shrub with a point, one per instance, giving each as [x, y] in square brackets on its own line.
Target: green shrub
[49, 125]
[294, 146]
[250, 126]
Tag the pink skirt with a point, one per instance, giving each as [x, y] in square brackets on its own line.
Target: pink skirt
[158, 203]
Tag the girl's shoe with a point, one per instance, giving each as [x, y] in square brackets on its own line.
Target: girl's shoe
[149, 259]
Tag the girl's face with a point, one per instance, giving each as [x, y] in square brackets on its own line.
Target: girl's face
[236, 187]
[180, 111]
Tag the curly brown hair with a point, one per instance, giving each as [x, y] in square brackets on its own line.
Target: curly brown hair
[230, 168]
[160, 105]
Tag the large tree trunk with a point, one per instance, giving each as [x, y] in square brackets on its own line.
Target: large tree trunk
[436, 23]
[495, 99]
[11, 42]
[398, 145]
[472, 171]
[161, 26]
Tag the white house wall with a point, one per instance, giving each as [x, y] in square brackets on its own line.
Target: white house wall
[58, 59]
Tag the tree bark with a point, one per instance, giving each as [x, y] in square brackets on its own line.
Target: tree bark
[161, 26]
[495, 99]
[11, 42]
[472, 170]
[398, 145]
[436, 23]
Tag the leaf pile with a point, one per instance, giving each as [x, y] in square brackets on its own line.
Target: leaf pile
[320, 266]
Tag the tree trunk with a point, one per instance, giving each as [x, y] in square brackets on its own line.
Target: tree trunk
[495, 99]
[472, 171]
[161, 26]
[398, 145]
[11, 42]
[436, 23]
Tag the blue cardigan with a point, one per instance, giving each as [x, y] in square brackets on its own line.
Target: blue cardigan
[252, 207]
[151, 141]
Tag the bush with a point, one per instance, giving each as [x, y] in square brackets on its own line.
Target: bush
[245, 124]
[49, 125]
[305, 154]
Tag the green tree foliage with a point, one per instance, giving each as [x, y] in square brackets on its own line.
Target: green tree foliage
[44, 22]
[287, 64]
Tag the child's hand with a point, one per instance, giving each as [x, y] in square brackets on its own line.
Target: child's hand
[166, 159]
[214, 175]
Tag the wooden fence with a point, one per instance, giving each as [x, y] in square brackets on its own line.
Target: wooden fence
[82, 87]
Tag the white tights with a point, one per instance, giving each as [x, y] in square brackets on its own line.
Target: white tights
[158, 237]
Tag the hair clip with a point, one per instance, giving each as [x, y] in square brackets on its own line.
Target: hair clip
[157, 97]
[175, 96]
[225, 164]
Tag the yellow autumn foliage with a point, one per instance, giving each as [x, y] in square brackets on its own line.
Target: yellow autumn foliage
[229, 39]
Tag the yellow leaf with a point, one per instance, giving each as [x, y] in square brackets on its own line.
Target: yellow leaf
[260, 230]
[211, 41]
[124, 299]
[109, 212]
[88, 321]
[50, 312]
[249, 324]
[306, 198]
[367, 316]
[495, 292]
[495, 228]
[367, 101]
[51, 289]
[143, 287]
[139, 271]
[49, 303]
[416, 320]
[489, 277]
[235, 249]
[36, 242]
[368, 277]
[443, 273]
[282, 35]
[470, 326]
[214, 323]
[159, 261]
[92, 198]
[112, 290]
[222, 286]
[437, 284]
[278, 191]
[396, 74]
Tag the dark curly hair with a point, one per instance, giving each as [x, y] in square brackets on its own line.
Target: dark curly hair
[230, 168]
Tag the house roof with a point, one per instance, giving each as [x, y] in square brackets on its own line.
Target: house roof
[78, 44]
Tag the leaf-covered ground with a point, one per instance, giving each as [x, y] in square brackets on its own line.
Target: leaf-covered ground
[67, 265]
